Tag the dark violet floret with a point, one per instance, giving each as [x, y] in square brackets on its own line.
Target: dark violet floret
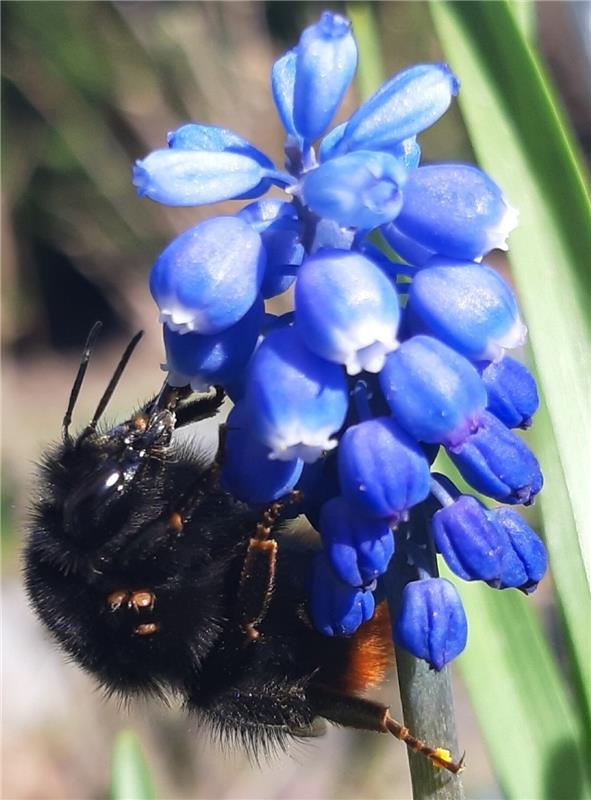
[382, 470]
[431, 623]
[496, 462]
[469, 542]
[512, 392]
[359, 548]
[338, 608]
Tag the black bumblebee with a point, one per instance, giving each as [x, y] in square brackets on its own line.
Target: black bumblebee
[156, 581]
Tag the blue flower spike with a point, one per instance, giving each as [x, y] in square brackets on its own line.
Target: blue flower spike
[338, 609]
[407, 104]
[247, 470]
[360, 190]
[358, 548]
[426, 338]
[325, 64]
[298, 411]
[216, 359]
[469, 307]
[431, 623]
[382, 470]
[209, 276]
[456, 210]
[512, 392]
[347, 311]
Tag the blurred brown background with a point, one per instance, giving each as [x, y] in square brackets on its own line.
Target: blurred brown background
[87, 88]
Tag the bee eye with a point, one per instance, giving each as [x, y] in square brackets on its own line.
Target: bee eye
[89, 503]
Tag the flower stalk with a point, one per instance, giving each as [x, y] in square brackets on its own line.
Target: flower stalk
[426, 696]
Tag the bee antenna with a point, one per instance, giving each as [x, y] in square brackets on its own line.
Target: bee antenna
[113, 383]
[75, 391]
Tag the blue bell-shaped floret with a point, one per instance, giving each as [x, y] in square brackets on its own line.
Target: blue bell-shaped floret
[297, 400]
[359, 548]
[195, 177]
[405, 105]
[456, 210]
[382, 471]
[346, 310]
[247, 471]
[498, 463]
[209, 276]
[213, 139]
[214, 359]
[408, 249]
[279, 226]
[326, 62]
[337, 608]
[431, 622]
[433, 392]
[359, 190]
[467, 539]
[512, 392]
[525, 559]
[283, 77]
[469, 307]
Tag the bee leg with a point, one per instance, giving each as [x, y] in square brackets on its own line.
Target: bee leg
[202, 408]
[357, 712]
[257, 580]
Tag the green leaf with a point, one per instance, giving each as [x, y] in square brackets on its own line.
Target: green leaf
[516, 690]
[520, 138]
[130, 777]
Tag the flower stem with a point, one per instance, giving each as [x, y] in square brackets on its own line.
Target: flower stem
[427, 701]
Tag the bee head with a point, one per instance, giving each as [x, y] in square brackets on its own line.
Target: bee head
[102, 485]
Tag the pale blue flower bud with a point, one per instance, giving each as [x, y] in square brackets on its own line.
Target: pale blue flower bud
[213, 139]
[456, 210]
[282, 85]
[297, 400]
[405, 105]
[467, 306]
[326, 62]
[346, 310]
[193, 177]
[209, 276]
[358, 190]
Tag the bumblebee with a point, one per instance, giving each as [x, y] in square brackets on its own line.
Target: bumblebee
[157, 582]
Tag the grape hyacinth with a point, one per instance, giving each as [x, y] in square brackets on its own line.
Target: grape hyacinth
[383, 361]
